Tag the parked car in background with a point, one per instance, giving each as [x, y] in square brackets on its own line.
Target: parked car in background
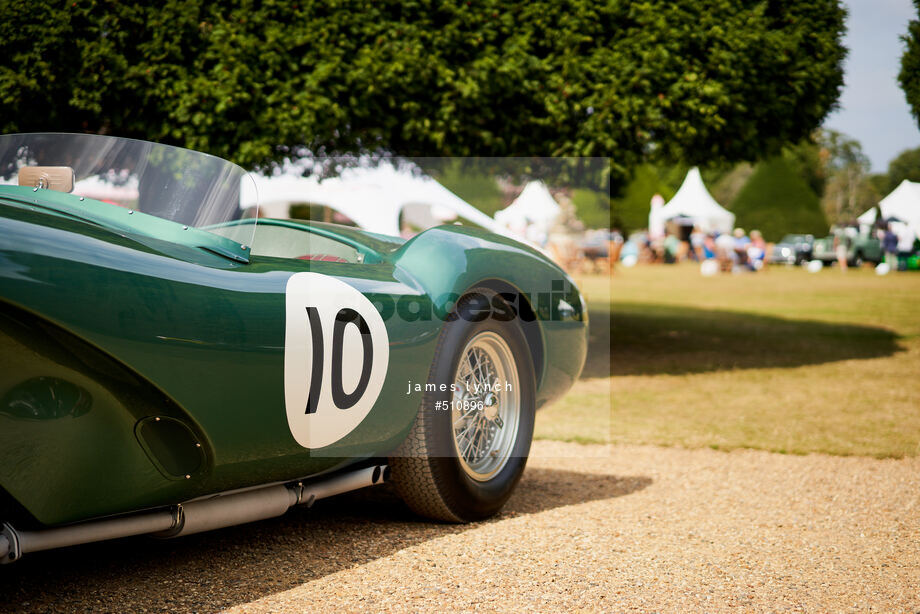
[862, 246]
[793, 249]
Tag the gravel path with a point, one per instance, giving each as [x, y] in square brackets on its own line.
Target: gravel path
[623, 528]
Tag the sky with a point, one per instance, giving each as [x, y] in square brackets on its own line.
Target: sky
[872, 106]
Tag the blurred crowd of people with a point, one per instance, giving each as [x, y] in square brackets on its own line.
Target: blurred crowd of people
[735, 251]
[893, 245]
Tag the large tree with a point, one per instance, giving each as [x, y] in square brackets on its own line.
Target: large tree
[909, 77]
[252, 81]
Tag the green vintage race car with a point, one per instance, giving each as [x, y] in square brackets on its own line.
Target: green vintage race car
[170, 363]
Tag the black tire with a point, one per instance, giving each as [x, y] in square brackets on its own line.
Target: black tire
[426, 470]
[857, 261]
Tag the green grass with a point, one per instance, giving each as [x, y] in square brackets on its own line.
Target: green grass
[784, 361]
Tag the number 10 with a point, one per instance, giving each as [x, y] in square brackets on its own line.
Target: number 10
[340, 398]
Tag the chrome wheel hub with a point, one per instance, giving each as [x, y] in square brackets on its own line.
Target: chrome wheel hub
[486, 406]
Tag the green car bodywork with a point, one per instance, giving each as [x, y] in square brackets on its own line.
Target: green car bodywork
[142, 363]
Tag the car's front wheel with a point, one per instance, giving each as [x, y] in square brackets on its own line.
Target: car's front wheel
[469, 444]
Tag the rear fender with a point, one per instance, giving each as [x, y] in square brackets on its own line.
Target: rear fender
[83, 430]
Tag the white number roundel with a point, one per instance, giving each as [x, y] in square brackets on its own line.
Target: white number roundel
[336, 353]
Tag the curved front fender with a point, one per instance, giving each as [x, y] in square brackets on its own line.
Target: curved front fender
[447, 261]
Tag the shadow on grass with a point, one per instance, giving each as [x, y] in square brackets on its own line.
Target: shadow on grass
[650, 339]
[220, 569]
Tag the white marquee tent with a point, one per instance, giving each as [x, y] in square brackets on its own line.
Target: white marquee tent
[372, 197]
[98, 188]
[694, 203]
[902, 203]
[534, 205]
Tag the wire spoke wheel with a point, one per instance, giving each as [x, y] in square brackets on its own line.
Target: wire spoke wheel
[462, 464]
[486, 406]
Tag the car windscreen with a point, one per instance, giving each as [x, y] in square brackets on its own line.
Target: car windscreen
[190, 188]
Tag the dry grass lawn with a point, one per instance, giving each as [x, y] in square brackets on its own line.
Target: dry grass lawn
[785, 361]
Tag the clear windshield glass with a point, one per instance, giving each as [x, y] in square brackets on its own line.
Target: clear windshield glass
[183, 186]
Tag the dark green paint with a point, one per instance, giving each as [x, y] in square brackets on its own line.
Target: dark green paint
[123, 220]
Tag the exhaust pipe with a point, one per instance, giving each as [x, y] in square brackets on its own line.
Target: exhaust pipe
[193, 517]
[342, 484]
[20, 542]
[228, 510]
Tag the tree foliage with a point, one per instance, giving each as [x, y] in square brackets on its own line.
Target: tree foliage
[906, 165]
[253, 81]
[809, 160]
[776, 200]
[592, 208]
[848, 190]
[631, 208]
[476, 187]
[828, 166]
[725, 189]
[909, 77]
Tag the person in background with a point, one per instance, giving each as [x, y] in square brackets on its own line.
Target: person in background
[671, 247]
[648, 249]
[656, 228]
[725, 251]
[697, 238]
[841, 247]
[756, 251]
[906, 239]
[614, 248]
[709, 247]
[890, 246]
[741, 245]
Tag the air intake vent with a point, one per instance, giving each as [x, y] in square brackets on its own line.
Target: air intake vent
[171, 446]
